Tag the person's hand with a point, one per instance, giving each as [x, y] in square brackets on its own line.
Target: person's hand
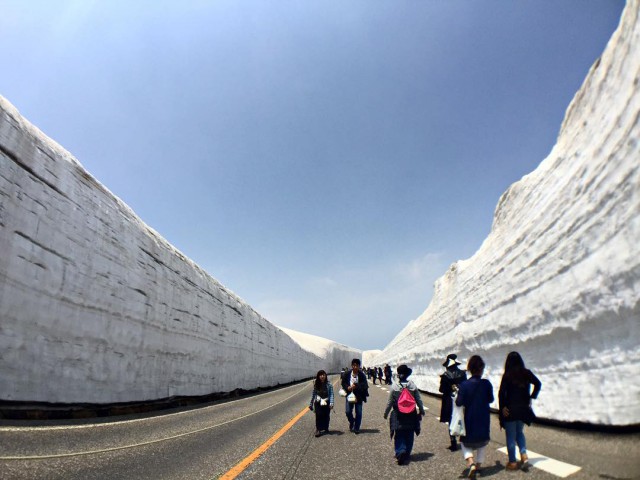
[310, 408]
[385, 416]
[505, 412]
[331, 407]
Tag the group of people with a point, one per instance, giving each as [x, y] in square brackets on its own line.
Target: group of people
[475, 395]
[406, 409]
[375, 373]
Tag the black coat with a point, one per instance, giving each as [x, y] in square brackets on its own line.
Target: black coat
[515, 394]
[453, 376]
[362, 387]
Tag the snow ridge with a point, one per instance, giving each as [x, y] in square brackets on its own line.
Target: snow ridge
[558, 277]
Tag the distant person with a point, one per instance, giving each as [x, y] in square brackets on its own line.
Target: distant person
[387, 374]
[405, 420]
[356, 383]
[475, 395]
[449, 382]
[514, 398]
[380, 374]
[374, 374]
[322, 402]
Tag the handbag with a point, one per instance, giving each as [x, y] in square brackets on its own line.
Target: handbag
[457, 427]
[351, 398]
[342, 392]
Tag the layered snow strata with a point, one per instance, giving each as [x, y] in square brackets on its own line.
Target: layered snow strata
[335, 355]
[558, 277]
[97, 307]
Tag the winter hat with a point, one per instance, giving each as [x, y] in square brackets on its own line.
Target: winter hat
[451, 360]
[404, 371]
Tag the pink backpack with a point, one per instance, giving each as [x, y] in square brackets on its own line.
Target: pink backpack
[406, 402]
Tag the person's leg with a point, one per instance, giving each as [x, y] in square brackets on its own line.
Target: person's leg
[399, 443]
[480, 456]
[356, 427]
[409, 442]
[467, 453]
[521, 441]
[468, 456]
[323, 420]
[349, 411]
[510, 431]
[454, 442]
[326, 424]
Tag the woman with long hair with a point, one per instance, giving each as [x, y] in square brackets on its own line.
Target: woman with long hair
[475, 395]
[514, 398]
[322, 402]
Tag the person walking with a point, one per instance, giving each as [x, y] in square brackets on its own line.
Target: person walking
[449, 383]
[475, 395]
[387, 374]
[374, 374]
[514, 401]
[405, 420]
[322, 402]
[356, 384]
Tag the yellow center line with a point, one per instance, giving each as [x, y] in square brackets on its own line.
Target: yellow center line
[242, 466]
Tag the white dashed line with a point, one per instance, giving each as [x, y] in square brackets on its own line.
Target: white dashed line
[555, 467]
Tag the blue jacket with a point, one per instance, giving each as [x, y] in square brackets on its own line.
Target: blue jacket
[475, 395]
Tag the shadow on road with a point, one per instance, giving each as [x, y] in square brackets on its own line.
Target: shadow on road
[421, 457]
[488, 471]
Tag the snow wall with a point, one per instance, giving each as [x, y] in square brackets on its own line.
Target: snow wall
[558, 277]
[97, 307]
[335, 353]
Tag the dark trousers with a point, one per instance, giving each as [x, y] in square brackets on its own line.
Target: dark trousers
[354, 423]
[323, 414]
[403, 441]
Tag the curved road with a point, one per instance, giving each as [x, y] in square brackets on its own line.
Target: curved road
[207, 442]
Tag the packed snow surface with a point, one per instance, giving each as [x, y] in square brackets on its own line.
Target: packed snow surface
[558, 277]
[97, 307]
[335, 355]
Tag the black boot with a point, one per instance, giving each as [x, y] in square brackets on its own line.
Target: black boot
[454, 443]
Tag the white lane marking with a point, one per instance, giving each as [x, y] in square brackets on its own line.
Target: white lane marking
[550, 465]
[150, 442]
[162, 416]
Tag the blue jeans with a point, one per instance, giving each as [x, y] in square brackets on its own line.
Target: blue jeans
[354, 424]
[515, 434]
[403, 441]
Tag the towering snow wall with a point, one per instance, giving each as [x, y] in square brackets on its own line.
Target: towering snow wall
[558, 277]
[97, 307]
[335, 355]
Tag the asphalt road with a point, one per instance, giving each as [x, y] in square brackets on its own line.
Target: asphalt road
[205, 443]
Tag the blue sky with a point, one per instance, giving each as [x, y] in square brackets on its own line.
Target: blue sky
[324, 160]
